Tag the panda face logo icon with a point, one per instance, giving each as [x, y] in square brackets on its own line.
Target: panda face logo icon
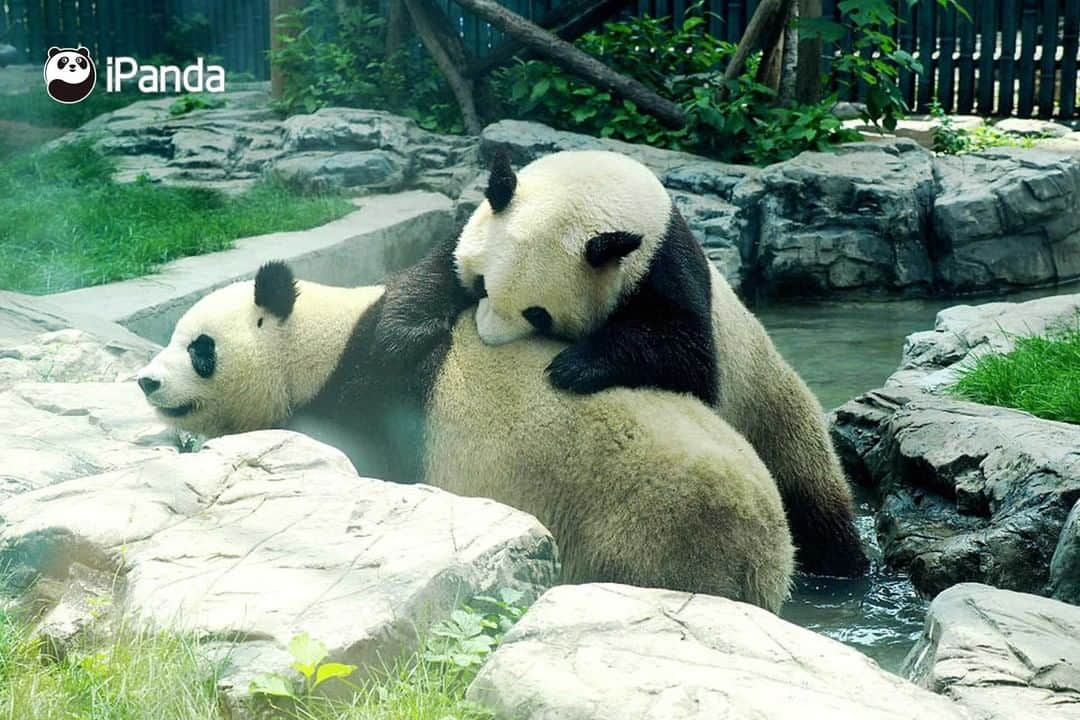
[70, 74]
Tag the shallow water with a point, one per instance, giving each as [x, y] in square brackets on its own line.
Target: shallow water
[842, 350]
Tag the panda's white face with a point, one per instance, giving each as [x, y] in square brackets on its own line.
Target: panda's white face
[534, 258]
[222, 371]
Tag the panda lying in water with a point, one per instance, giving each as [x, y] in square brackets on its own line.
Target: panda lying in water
[637, 486]
[589, 247]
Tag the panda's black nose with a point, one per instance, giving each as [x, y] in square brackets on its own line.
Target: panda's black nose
[149, 385]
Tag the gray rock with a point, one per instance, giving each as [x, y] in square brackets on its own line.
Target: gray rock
[230, 148]
[849, 222]
[52, 432]
[70, 356]
[1030, 127]
[1001, 655]
[1007, 218]
[968, 492]
[1065, 564]
[600, 652]
[934, 358]
[261, 537]
[8, 55]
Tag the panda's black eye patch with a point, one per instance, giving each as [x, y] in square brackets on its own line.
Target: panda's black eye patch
[260, 322]
[203, 357]
[478, 287]
[538, 317]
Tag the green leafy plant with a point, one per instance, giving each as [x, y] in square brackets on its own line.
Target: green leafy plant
[308, 659]
[461, 643]
[875, 58]
[189, 102]
[734, 120]
[950, 139]
[332, 56]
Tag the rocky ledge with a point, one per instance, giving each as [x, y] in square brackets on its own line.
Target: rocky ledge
[969, 492]
[1002, 655]
[612, 652]
[873, 219]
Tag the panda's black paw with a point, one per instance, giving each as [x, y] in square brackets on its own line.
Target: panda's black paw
[579, 372]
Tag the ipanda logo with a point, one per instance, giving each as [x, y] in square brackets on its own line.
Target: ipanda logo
[70, 75]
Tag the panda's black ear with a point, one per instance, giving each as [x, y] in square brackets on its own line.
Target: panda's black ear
[610, 246]
[53, 51]
[501, 182]
[275, 289]
[83, 51]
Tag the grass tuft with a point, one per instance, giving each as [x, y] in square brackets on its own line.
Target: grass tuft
[1040, 376]
[67, 225]
[133, 677]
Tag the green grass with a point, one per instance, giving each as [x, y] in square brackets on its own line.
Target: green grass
[133, 677]
[1040, 376]
[139, 676]
[37, 108]
[66, 225]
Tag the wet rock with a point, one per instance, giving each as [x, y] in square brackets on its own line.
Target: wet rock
[1065, 564]
[853, 221]
[356, 171]
[1001, 655]
[968, 492]
[1007, 218]
[1031, 127]
[599, 652]
[262, 536]
[934, 358]
[52, 432]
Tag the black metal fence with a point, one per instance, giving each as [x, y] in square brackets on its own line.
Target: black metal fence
[1013, 57]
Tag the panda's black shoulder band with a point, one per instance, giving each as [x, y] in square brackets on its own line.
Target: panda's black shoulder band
[501, 182]
[275, 289]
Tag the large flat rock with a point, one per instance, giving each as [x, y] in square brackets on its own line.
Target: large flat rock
[614, 652]
[968, 492]
[52, 432]
[260, 537]
[1002, 655]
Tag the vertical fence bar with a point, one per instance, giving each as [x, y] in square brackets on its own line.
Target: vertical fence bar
[947, 63]
[1070, 43]
[18, 31]
[1047, 74]
[35, 31]
[1007, 62]
[907, 43]
[965, 97]
[715, 17]
[927, 39]
[987, 47]
[68, 26]
[51, 19]
[1028, 40]
[3, 20]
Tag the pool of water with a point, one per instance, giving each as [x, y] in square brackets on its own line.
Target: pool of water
[842, 350]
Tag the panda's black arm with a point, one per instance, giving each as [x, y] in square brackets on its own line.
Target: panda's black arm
[421, 304]
[676, 353]
[660, 337]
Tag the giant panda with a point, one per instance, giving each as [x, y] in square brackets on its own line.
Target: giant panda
[589, 247]
[637, 486]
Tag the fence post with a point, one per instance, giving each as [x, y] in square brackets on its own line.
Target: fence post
[1007, 63]
[987, 48]
[1071, 41]
[1049, 59]
[1027, 58]
[947, 75]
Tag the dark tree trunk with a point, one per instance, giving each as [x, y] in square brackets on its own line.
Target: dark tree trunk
[575, 61]
[808, 76]
[765, 30]
[451, 56]
[278, 79]
[569, 22]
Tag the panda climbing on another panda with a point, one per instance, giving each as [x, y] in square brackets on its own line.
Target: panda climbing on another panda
[589, 247]
[70, 74]
[637, 486]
